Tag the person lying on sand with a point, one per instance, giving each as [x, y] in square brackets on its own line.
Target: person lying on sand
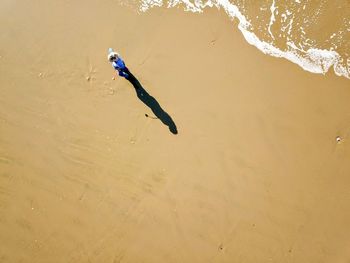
[118, 63]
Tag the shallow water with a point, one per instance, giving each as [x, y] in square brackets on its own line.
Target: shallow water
[314, 35]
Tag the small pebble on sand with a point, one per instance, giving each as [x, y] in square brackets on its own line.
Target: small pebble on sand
[338, 139]
[87, 78]
[113, 78]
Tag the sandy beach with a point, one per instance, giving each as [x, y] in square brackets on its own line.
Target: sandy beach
[258, 172]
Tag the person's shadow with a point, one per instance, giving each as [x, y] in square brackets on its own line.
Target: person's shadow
[152, 103]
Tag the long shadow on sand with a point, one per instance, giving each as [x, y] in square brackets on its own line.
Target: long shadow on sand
[152, 103]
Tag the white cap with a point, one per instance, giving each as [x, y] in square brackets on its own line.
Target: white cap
[112, 54]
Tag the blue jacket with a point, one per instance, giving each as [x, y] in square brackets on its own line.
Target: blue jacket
[120, 66]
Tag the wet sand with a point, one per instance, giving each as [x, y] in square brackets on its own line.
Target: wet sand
[255, 173]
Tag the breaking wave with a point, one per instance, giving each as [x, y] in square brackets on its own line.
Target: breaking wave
[294, 30]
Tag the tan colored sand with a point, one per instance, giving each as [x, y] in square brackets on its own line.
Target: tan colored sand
[254, 175]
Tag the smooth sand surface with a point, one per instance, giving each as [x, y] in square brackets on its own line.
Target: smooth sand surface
[255, 173]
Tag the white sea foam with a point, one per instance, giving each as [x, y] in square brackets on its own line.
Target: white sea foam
[272, 18]
[313, 59]
[145, 5]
